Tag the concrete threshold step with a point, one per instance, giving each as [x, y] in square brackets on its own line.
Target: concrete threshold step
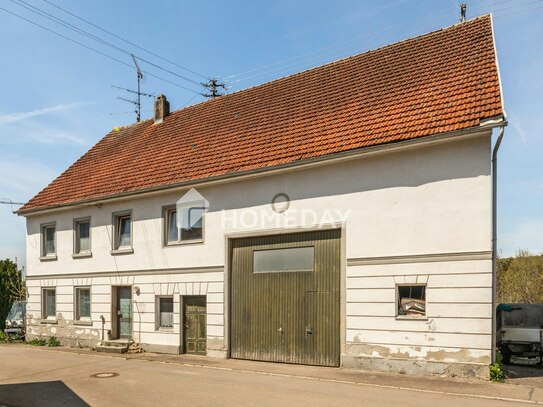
[113, 347]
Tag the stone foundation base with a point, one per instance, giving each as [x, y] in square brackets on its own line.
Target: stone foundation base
[417, 367]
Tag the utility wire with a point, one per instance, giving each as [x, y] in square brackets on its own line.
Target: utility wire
[72, 27]
[305, 58]
[125, 40]
[330, 51]
[95, 50]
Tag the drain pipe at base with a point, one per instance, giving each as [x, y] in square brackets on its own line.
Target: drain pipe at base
[495, 235]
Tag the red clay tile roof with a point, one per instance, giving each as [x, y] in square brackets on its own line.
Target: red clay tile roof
[439, 82]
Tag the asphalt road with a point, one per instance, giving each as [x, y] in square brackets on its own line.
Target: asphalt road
[39, 377]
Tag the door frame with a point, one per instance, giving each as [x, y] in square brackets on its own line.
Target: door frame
[115, 332]
[228, 237]
[182, 297]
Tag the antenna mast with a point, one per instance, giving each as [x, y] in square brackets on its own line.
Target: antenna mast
[140, 77]
[138, 92]
[213, 86]
[463, 8]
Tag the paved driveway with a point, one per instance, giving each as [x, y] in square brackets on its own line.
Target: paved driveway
[41, 377]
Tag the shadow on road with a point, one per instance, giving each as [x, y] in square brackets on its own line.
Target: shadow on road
[42, 394]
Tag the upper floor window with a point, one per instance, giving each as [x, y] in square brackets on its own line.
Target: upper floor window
[122, 232]
[82, 242]
[48, 240]
[185, 229]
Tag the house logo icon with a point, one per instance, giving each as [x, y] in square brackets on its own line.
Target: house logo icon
[191, 207]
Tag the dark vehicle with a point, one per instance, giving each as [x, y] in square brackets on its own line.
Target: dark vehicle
[15, 321]
[520, 331]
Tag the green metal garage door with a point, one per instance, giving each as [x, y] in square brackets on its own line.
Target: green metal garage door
[285, 298]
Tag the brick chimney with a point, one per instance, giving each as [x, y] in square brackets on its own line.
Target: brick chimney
[162, 108]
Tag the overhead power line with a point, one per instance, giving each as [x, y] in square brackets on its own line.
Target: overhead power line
[331, 52]
[126, 41]
[55, 19]
[96, 51]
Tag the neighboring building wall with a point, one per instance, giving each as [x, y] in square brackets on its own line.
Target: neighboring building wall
[421, 214]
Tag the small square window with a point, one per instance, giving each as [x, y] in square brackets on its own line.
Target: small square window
[82, 230]
[165, 312]
[122, 231]
[48, 240]
[82, 303]
[48, 303]
[412, 300]
[185, 230]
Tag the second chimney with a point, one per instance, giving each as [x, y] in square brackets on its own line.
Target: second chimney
[162, 108]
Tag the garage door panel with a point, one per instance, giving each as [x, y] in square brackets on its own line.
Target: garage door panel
[286, 309]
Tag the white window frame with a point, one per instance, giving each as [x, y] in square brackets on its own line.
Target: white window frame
[157, 313]
[77, 251]
[77, 313]
[43, 235]
[397, 304]
[44, 316]
[116, 236]
[166, 216]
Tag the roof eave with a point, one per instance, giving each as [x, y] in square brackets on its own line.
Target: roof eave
[487, 124]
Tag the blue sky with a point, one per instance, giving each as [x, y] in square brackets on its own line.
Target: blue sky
[57, 99]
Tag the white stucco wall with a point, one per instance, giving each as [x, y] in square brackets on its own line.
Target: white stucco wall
[427, 201]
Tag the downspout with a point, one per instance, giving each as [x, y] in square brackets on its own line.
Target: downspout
[495, 235]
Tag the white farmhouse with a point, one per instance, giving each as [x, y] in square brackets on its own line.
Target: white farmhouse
[341, 216]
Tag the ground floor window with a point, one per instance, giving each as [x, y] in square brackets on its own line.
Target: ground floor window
[165, 312]
[82, 303]
[48, 303]
[412, 300]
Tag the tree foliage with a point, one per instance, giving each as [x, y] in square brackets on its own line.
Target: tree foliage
[12, 288]
[520, 278]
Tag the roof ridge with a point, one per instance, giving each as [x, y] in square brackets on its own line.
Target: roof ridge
[334, 62]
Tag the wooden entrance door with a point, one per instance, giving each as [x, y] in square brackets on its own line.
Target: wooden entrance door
[285, 298]
[124, 312]
[194, 318]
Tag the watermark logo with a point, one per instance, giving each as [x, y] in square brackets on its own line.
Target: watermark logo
[191, 207]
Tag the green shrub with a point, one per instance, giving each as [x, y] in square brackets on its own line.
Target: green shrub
[53, 342]
[38, 342]
[3, 337]
[496, 372]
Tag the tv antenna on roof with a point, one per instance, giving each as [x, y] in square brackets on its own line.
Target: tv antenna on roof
[139, 93]
[463, 9]
[213, 87]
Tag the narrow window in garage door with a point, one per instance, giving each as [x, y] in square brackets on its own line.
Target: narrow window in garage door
[280, 260]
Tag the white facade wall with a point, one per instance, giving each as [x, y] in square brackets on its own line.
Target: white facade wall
[418, 215]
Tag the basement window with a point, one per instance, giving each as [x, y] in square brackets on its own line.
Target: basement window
[283, 260]
[48, 303]
[411, 300]
[165, 312]
[48, 241]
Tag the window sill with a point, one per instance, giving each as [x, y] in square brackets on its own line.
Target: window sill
[186, 242]
[122, 251]
[48, 258]
[165, 330]
[83, 322]
[82, 255]
[411, 318]
[49, 321]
